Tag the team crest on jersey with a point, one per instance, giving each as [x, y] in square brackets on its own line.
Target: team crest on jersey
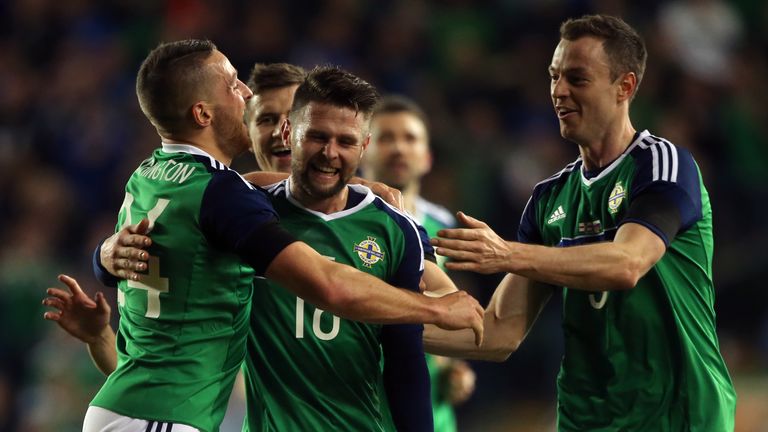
[369, 251]
[616, 197]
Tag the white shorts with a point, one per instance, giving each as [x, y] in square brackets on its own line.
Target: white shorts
[102, 420]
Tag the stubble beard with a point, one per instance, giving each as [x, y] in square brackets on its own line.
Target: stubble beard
[310, 189]
[232, 134]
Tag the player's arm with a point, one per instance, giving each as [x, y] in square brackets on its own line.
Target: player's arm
[513, 309]
[238, 218]
[352, 294]
[406, 377]
[405, 373]
[265, 178]
[662, 205]
[616, 265]
[85, 319]
[436, 282]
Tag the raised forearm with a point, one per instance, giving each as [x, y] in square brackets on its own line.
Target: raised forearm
[497, 344]
[514, 307]
[596, 267]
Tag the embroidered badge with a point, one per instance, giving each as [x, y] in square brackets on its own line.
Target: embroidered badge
[369, 251]
[616, 197]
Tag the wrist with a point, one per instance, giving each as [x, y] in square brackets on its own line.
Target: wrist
[436, 311]
[105, 336]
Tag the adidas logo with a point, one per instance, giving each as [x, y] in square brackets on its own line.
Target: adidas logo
[557, 215]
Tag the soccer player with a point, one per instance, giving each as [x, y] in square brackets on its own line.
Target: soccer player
[183, 327]
[307, 369]
[626, 230]
[399, 156]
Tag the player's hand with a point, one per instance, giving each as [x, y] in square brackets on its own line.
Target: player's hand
[459, 381]
[460, 310]
[389, 194]
[123, 254]
[75, 312]
[476, 248]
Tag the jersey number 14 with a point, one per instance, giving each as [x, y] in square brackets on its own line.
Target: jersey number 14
[152, 283]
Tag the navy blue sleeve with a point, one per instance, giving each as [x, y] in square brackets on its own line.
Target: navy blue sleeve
[429, 251]
[528, 231]
[669, 176]
[239, 217]
[102, 275]
[406, 378]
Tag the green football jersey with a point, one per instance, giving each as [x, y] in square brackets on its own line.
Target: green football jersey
[306, 369]
[434, 218]
[646, 359]
[181, 338]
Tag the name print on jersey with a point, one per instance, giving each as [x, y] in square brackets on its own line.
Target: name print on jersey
[168, 170]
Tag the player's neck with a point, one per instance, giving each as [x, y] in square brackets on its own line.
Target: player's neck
[410, 196]
[328, 205]
[605, 149]
[203, 144]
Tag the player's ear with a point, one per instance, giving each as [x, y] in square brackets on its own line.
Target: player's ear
[627, 86]
[202, 114]
[285, 132]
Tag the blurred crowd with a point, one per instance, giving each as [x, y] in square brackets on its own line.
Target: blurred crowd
[71, 133]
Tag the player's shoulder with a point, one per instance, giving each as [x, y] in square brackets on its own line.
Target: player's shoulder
[558, 178]
[376, 203]
[659, 158]
[427, 209]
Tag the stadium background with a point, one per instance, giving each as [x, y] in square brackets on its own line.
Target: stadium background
[71, 132]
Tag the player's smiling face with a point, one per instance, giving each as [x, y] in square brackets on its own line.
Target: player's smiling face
[399, 154]
[327, 143]
[266, 113]
[583, 94]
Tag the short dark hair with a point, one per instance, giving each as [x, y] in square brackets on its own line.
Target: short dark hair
[267, 76]
[622, 44]
[169, 80]
[335, 86]
[392, 104]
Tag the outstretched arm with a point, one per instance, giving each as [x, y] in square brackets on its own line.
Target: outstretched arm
[85, 319]
[616, 265]
[352, 294]
[513, 309]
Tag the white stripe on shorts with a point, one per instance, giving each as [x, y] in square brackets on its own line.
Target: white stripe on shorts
[102, 420]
